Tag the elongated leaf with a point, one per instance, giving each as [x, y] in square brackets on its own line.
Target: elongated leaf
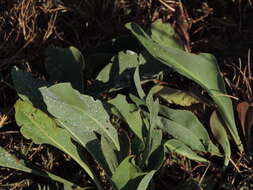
[179, 147]
[127, 175]
[9, 161]
[80, 111]
[130, 113]
[146, 180]
[154, 136]
[28, 87]
[39, 127]
[187, 123]
[164, 34]
[202, 69]
[220, 135]
[185, 126]
[109, 154]
[137, 82]
[65, 65]
[175, 96]
[182, 133]
[90, 142]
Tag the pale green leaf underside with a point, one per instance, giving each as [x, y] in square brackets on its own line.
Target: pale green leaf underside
[39, 127]
[80, 111]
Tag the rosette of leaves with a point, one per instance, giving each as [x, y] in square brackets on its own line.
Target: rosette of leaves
[132, 150]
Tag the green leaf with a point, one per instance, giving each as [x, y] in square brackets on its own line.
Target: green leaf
[79, 111]
[65, 65]
[201, 68]
[150, 67]
[120, 68]
[109, 154]
[154, 136]
[175, 96]
[90, 142]
[9, 161]
[157, 155]
[118, 73]
[127, 175]
[220, 135]
[182, 133]
[137, 82]
[185, 126]
[27, 87]
[187, 122]
[146, 180]
[164, 34]
[130, 113]
[39, 127]
[179, 147]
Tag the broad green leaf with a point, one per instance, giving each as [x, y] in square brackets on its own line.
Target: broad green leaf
[220, 134]
[27, 87]
[120, 68]
[65, 65]
[182, 133]
[9, 161]
[41, 129]
[201, 68]
[118, 73]
[146, 180]
[80, 111]
[90, 142]
[164, 34]
[149, 66]
[175, 96]
[130, 113]
[184, 126]
[127, 175]
[179, 147]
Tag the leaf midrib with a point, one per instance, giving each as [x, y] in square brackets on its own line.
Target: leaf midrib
[59, 145]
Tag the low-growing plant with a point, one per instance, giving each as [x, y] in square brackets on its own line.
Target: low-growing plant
[129, 132]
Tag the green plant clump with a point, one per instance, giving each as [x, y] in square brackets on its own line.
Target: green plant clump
[128, 133]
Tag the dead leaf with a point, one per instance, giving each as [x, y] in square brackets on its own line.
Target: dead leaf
[242, 109]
